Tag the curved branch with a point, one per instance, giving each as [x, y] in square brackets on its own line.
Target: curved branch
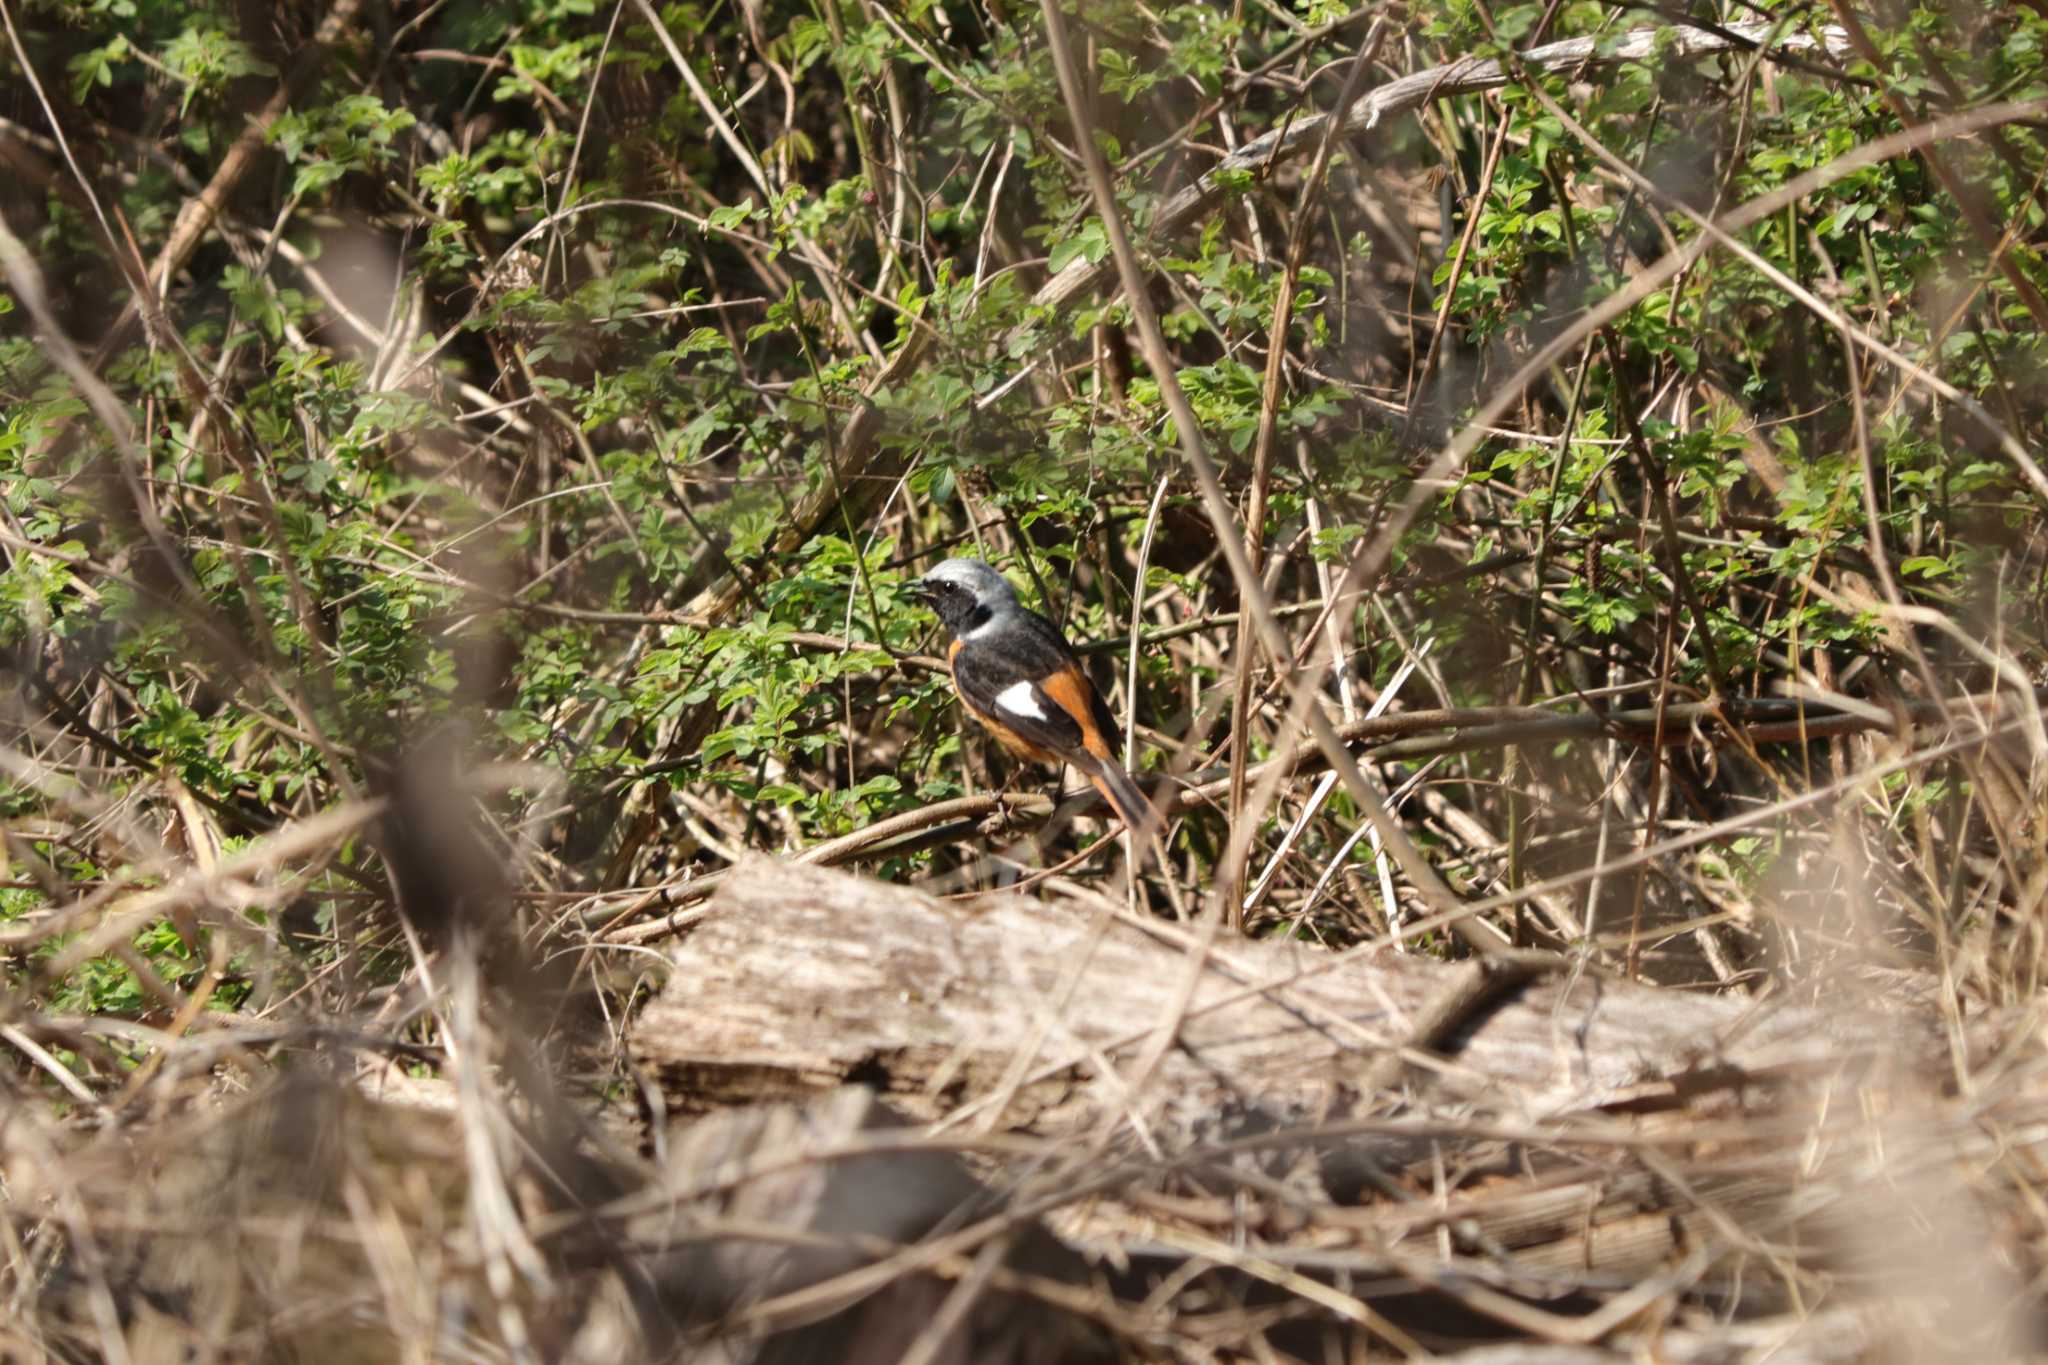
[1461, 77]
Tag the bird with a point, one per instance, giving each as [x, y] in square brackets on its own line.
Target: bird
[1018, 676]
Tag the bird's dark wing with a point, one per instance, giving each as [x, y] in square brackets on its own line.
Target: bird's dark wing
[1021, 675]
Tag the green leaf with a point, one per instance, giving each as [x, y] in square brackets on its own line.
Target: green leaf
[1090, 243]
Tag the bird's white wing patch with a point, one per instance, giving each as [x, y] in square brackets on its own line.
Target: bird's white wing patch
[1021, 699]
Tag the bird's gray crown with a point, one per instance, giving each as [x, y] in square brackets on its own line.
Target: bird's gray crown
[976, 577]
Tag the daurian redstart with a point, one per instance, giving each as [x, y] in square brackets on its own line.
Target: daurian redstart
[1018, 676]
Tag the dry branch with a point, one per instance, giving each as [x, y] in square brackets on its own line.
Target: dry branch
[1464, 77]
[198, 214]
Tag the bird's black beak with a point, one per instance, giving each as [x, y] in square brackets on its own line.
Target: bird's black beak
[921, 591]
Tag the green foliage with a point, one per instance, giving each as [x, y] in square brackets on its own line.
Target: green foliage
[354, 133]
[518, 351]
[207, 59]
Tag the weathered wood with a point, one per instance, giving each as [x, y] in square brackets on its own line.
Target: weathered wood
[799, 978]
[1566, 1144]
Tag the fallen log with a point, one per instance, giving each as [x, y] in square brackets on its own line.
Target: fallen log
[1037, 1017]
[1384, 1141]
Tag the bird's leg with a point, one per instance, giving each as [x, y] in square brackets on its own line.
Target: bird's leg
[998, 821]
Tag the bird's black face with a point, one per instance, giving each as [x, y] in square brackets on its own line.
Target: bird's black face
[954, 603]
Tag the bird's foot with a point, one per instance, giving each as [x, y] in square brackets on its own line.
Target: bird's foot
[1000, 819]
